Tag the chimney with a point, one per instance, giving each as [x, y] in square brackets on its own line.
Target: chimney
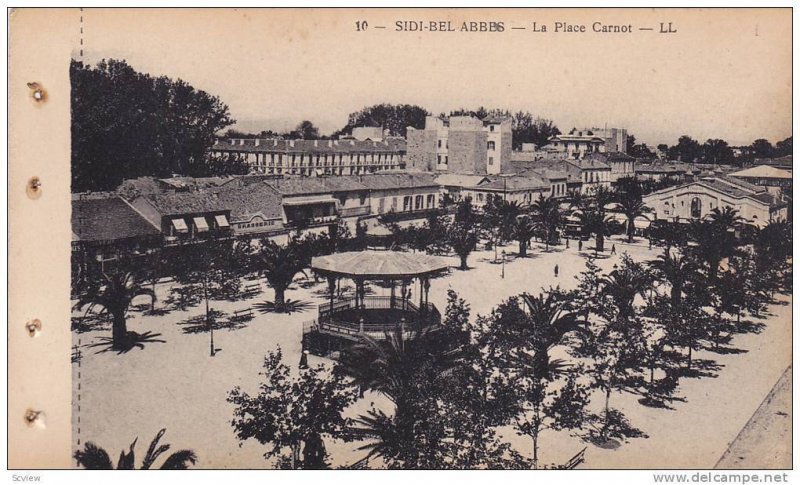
[291, 143]
[316, 143]
[352, 142]
[336, 142]
[275, 142]
[216, 141]
[330, 143]
[241, 142]
[258, 142]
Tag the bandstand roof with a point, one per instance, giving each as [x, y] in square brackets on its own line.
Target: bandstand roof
[379, 264]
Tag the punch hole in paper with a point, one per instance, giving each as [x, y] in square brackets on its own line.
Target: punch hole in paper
[34, 327]
[37, 92]
[35, 419]
[34, 188]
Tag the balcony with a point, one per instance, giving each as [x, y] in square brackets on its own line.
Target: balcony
[354, 211]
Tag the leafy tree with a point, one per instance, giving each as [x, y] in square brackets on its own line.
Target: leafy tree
[465, 212]
[687, 150]
[294, 412]
[305, 130]
[762, 148]
[498, 221]
[717, 151]
[113, 293]
[557, 404]
[395, 118]
[783, 147]
[614, 343]
[640, 150]
[463, 238]
[92, 457]
[115, 108]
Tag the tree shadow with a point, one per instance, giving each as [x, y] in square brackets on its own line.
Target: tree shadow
[133, 340]
[745, 327]
[91, 323]
[219, 321]
[290, 306]
[157, 312]
[724, 350]
[700, 368]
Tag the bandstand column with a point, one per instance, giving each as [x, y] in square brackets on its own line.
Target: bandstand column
[332, 290]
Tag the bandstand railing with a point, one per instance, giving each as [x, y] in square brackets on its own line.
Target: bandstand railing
[327, 322]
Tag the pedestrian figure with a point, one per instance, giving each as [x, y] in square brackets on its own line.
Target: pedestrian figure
[580, 244]
[613, 249]
[555, 271]
[567, 243]
[650, 243]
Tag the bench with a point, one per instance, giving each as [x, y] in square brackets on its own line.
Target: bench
[252, 289]
[576, 460]
[239, 315]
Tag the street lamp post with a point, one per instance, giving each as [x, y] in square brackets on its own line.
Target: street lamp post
[503, 270]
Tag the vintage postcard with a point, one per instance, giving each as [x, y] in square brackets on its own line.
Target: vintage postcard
[537, 239]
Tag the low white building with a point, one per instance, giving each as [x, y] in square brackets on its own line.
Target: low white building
[695, 200]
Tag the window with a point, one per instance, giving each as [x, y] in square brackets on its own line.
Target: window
[439, 159]
[491, 160]
[394, 203]
[430, 201]
[491, 127]
[407, 203]
[490, 145]
[440, 143]
[446, 160]
[418, 202]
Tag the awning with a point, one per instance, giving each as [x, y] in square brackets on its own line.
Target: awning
[201, 224]
[309, 200]
[180, 225]
[222, 221]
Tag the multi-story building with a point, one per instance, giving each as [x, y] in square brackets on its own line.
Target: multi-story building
[314, 157]
[621, 164]
[594, 174]
[616, 139]
[461, 144]
[695, 200]
[575, 145]
[522, 189]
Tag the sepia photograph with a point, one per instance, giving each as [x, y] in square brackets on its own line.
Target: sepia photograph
[424, 239]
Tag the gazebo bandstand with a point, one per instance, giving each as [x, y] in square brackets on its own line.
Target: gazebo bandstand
[374, 316]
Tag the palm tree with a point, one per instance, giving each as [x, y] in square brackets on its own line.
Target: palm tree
[92, 457]
[390, 365]
[632, 206]
[548, 213]
[114, 296]
[595, 221]
[677, 270]
[716, 237]
[547, 324]
[622, 285]
[463, 238]
[280, 264]
[524, 230]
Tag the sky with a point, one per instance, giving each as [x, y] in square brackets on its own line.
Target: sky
[723, 74]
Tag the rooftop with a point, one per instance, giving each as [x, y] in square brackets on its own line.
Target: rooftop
[106, 219]
[379, 264]
[273, 145]
[763, 171]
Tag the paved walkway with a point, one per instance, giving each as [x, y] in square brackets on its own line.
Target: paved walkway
[765, 441]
